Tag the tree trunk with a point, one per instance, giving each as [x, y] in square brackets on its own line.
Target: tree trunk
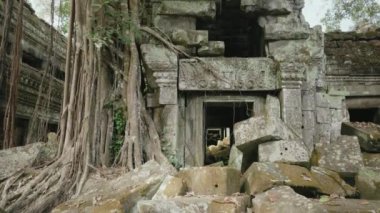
[10, 110]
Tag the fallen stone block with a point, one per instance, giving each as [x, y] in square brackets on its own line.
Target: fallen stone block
[348, 205]
[268, 7]
[120, 194]
[284, 151]
[190, 37]
[342, 156]
[257, 130]
[170, 187]
[368, 183]
[371, 160]
[283, 199]
[213, 48]
[211, 180]
[198, 9]
[331, 183]
[196, 204]
[263, 176]
[236, 158]
[368, 134]
[17, 158]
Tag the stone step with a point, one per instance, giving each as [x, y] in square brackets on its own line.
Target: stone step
[368, 134]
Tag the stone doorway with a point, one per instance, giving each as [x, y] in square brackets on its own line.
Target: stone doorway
[205, 115]
[220, 118]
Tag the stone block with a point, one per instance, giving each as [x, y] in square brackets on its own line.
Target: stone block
[331, 182]
[349, 205]
[170, 187]
[308, 138]
[336, 102]
[236, 158]
[227, 74]
[291, 106]
[283, 199]
[368, 134]
[284, 151]
[263, 176]
[257, 130]
[161, 66]
[371, 160]
[198, 204]
[272, 107]
[322, 100]
[308, 119]
[368, 183]
[323, 133]
[17, 158]
[190, 37]
[323, 115]
[224, 181]
[119, 194]
[342, 156]
[268, 7]
[213, 48]
[198, 9]
[308, 100]
[169, 23]
[289, 27]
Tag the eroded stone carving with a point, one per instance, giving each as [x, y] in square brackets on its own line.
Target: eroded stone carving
[249, 74]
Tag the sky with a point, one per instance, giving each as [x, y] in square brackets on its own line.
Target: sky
[314, 11]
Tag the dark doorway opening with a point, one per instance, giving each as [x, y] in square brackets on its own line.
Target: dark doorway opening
[365, 115]
[241, 33]
[218, 128]
[32, 60]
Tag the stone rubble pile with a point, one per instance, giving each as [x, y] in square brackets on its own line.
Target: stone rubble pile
[281, 177]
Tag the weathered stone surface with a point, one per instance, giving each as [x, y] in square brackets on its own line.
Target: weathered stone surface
[368, 183]
[228, 74]
[120, 194]
[284, 151]
[198, 204]
[289, 27]
[170, 187]
[198, 9]
[190, 37]
[257, 130]
[224, 181]
[331, 182]
[283, 199]
[161, 65]
[371, 160]
[236, 158]
[263, 176]
[14, 159]
[291, 108]
[368, 134]
[342, 156]
[268, 7]
[349, 205]
[170, 23]
[213, 48]
[272, 107]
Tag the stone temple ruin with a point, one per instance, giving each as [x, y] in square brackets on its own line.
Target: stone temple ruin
[256, 60]
[257, 89]
[34, 57]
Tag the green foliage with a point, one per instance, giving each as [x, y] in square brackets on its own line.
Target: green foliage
[116, 26]
[359, 11]
[118, 131]
[63, 12]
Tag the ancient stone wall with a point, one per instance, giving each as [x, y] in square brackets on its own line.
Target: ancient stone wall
[34, 61]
